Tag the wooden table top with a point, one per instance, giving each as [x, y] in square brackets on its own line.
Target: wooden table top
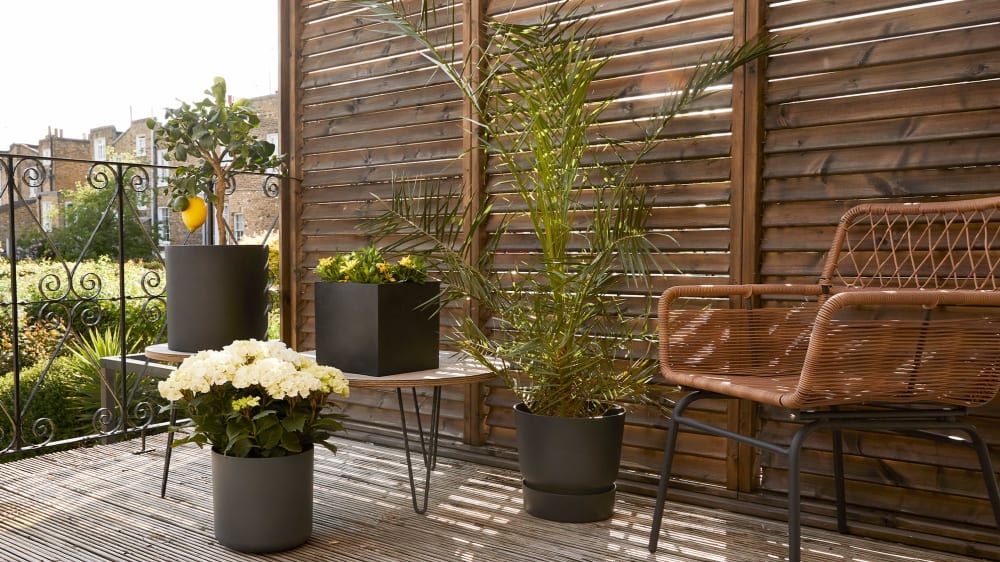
[160, 352]
[453, 368]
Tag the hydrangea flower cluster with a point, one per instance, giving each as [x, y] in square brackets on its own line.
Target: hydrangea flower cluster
[277, 370]
[256, 399]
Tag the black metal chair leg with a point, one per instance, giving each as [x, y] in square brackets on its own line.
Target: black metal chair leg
[986, 465]
[661, 490]
[668, 458]
[838, 480]
[794, 494]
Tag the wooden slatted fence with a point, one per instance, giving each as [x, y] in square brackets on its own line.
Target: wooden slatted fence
[870, 100]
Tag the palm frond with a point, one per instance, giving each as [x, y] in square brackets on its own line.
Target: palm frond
[562, 337]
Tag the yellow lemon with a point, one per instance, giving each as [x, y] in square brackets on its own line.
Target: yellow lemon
[195, 213]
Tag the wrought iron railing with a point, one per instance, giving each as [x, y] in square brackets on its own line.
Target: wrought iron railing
[61, 313]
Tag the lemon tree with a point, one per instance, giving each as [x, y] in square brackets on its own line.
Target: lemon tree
[218, 136]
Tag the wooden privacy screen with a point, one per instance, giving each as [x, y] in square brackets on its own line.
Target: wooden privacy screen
[871, 99]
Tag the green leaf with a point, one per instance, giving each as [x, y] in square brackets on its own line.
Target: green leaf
[265, 413]
[240, 448]
[179, 203]
[291, 443]
[295, 422]
[218, 90]
[270, 438]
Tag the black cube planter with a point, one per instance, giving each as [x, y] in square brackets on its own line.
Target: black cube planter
[377, 329]
[215, 295]
[569, 465]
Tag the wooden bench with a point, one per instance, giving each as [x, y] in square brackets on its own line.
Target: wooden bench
[901, 333]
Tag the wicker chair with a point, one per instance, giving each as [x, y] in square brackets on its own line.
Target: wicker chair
[902, 333]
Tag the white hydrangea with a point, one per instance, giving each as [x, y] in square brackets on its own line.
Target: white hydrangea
[280, 371]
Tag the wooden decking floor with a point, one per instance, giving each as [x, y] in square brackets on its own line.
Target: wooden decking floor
[103, 504]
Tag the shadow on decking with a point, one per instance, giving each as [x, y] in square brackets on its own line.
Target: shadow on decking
[103, 503]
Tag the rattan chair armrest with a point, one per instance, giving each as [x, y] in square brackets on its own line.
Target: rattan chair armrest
[745, 291]
[928, 298]
[893, 358]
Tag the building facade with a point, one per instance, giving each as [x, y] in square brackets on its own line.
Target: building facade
[37, 200]
[250, 212]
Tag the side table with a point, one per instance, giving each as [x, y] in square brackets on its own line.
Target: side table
[453, 369]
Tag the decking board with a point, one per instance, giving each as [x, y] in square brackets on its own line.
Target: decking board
[102, 504]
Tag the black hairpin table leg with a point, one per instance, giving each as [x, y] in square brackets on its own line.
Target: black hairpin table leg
[428, 443]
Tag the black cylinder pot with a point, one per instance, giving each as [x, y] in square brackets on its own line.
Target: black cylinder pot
[215, 295]
[569, 465]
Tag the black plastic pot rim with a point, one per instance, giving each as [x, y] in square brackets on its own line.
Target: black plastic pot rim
[612, 410]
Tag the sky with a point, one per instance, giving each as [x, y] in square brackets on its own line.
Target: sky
[79, 64]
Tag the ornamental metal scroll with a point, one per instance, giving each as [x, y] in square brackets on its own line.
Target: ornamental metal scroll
[62, 309]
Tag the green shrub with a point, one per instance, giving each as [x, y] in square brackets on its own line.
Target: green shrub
[90, 301]
[50, 402]
[37, 341]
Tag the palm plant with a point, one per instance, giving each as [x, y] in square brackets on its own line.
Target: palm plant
[89, 384]
[562, 339]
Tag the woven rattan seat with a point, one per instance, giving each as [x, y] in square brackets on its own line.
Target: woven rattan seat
[906, 312]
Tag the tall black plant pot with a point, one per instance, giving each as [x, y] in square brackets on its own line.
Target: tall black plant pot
[569, 465]
[215, 295]
[377, 329]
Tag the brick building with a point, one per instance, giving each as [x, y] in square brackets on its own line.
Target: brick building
[37, 202]
[249, 211]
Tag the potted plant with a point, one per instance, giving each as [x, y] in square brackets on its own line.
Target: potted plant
[572, 351]
[217, 293]
[262, 408]
[374, 316]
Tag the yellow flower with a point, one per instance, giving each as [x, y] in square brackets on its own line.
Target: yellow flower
[386, 271]
[246, 402]
[407, 262]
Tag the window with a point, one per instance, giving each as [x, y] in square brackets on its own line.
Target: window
[32, 176]
[163, 224]
[46, 153]
[48, 214]
[162, 174]
[142, 199]
[273, 139]
[239, 226]
[100, 148]
[140, 145]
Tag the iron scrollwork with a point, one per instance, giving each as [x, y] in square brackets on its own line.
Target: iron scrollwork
[75, 298]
